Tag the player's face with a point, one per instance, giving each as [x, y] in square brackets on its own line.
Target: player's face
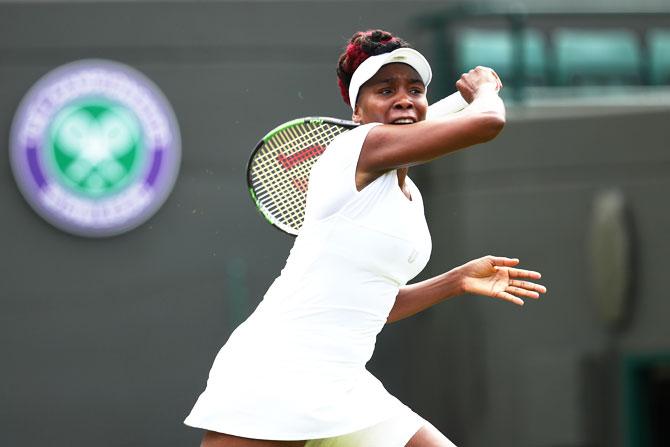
[394, 95]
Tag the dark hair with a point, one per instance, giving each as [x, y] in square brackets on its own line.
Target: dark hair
[361, 46]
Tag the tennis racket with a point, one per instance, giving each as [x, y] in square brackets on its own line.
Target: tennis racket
[279, 166]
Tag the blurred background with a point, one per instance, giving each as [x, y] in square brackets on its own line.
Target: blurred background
[109, 341]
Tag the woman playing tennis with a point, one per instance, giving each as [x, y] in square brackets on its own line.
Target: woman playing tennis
[293, 374]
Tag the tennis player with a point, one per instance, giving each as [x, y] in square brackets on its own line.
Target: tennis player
[293, 374]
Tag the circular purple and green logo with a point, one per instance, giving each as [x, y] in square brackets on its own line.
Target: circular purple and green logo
[95, 148]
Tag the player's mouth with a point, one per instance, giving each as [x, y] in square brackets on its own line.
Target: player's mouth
[404, 120]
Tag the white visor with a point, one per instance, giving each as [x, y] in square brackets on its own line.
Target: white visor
[371, 66]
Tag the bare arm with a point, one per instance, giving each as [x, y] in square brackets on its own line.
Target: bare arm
[414, 298]
[391, 146]
[489, 276]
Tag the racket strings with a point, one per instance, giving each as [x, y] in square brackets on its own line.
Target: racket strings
[280, 171]
[275, 189]
[272, 154]
[304, 135]
[286, 201]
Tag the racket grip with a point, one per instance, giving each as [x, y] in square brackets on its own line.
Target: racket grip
[451, 104]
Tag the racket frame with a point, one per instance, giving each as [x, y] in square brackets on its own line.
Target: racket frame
[317, 120]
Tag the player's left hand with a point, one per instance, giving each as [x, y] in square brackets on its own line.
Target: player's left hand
[497, 277]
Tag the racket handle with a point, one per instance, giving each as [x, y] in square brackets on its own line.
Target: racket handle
[451, 104]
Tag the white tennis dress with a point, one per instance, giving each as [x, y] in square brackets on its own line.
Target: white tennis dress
[295, 369]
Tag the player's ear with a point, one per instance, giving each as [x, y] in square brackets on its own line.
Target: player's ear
[356, 115]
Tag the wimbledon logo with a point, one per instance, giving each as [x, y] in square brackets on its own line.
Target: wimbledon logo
[95, 148]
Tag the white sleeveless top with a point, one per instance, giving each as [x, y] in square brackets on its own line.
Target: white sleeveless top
[295, 369]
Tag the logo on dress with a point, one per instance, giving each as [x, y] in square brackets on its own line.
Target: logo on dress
[412, 256]
[95, 148]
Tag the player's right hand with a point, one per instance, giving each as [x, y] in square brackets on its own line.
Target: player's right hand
[478, 79]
